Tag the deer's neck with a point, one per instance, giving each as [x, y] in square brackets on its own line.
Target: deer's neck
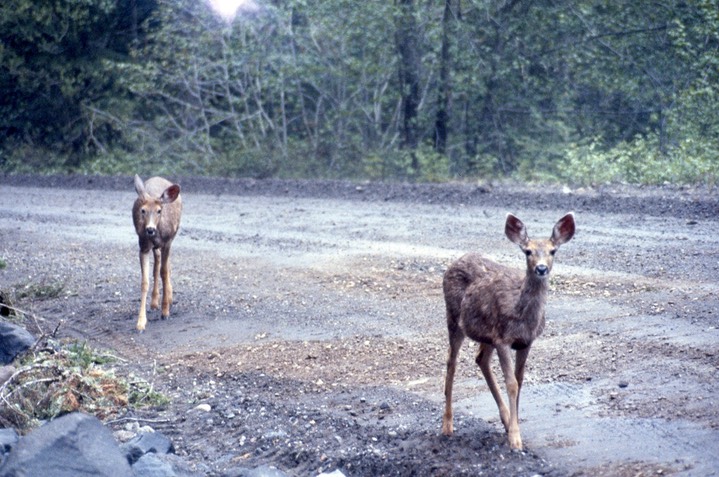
[532, 298]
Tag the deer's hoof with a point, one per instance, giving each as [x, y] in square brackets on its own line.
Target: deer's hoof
[515, 442]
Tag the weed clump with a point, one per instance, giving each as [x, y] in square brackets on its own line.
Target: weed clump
[63, 377]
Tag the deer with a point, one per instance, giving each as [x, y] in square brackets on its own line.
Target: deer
[156, 215]
[502, 309]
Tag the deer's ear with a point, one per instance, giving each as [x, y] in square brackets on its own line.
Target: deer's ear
[564, 229]
[140, 187]
[515, 230]
[170, 194]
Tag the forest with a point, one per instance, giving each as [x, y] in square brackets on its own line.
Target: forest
[583, 92]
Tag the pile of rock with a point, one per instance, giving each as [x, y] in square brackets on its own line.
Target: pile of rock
[77, 444]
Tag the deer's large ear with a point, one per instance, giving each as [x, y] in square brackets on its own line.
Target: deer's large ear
[564, 229]
[170, 194]
[515, 230]
[140, 187]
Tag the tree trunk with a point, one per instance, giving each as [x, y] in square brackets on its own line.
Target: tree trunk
[408, 46]
[441, 128]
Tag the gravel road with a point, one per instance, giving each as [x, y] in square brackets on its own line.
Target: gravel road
[309, 316]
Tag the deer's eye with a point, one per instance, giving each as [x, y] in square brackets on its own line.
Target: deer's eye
[159, 211]
[528, 253]
[553, 251]
[143, 211]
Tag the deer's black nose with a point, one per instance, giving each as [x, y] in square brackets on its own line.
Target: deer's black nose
[541, 270]
[150, 231]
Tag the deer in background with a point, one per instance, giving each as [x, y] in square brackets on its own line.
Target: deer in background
[156, 214]
[503, 309]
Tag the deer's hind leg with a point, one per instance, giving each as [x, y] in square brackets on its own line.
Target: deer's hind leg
[456, 338]
[155, 302]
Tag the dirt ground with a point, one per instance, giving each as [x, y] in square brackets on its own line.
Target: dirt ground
[309, 317]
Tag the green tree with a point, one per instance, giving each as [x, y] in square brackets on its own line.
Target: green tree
[54, 73]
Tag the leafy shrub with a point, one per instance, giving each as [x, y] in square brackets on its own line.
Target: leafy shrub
[21, 158]
[640, 162]
[431, 166]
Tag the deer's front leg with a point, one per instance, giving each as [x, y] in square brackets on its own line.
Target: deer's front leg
[144, 287]
[166, 282]
[519, 362]
[483, 360]
[505, 361]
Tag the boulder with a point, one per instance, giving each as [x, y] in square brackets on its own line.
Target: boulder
[74, 445]
[13, 341]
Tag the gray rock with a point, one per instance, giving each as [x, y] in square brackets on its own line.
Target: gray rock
[162, 465]
[335, 473]
[13, 341]
[261, 471]
[6, 373]
[74, 445]
[8, 439]
[144, 443]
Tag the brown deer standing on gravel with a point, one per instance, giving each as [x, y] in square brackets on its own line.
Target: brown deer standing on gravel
[502, 309]
[156, 214]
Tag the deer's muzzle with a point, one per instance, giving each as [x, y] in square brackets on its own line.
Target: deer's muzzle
[541, 270]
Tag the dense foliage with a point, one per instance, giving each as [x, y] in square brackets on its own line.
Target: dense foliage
[584, 91]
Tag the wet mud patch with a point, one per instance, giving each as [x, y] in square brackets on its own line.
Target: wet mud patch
[309, 426]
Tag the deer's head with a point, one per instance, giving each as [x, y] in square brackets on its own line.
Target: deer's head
[148, 208]
[540, 252]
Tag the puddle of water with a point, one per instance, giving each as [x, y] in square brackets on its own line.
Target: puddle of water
[562, 422]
